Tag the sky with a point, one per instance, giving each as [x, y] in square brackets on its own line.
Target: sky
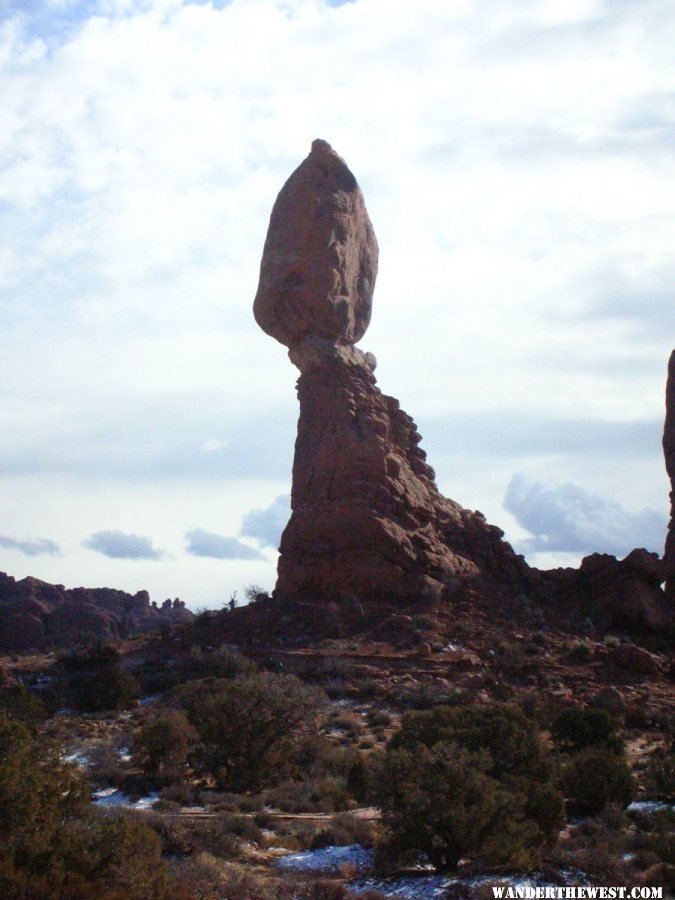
[518, 164]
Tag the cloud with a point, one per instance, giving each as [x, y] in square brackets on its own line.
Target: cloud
[216, 546]
[119, 545]
[568, 518]
[31, 547]
[266, 525]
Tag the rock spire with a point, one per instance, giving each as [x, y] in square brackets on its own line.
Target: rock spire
[367, 518]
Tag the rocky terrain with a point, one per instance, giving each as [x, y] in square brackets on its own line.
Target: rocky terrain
[35, 615]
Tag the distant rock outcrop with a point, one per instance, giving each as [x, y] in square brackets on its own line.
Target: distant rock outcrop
[669, 453]
[35, 615]
[367, 518]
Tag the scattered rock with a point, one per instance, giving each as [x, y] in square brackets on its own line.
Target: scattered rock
[611, 699]
[635, 658]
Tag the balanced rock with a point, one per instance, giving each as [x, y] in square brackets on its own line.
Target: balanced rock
[669, 453]
[367, 518]
[320, 258]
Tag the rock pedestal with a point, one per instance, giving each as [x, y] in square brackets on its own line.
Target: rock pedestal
[367, 519]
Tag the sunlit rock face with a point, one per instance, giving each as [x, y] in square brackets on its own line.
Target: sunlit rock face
[669, 453]
[367, 518]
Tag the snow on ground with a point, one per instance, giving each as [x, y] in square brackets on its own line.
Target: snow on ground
[329, 859]
[649, 806]
[422, 886]
[78, 758]
[114, 797]
[150, 698]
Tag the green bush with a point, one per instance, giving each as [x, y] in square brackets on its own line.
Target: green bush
[248, 726]
[503, 730]
[470, 781]
[53, 844]
[577, 728]
[164, 741]
[660, 777]
[18, 702]
[441, 801]
[596, 776]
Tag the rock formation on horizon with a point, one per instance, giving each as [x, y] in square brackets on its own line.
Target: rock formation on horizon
[367, 518]
[669, 453]
[36, 615]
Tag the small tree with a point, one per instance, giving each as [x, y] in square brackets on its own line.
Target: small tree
[441, 801]
[577, 728]
[18, 702]
[248, 724]
[164, 741]
[596, 776]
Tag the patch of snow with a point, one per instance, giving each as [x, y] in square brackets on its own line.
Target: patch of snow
[111, 796]
[124, 754]
[412, 887]
[649, 806]
[452, 648]
[150, 698]
[77, 757]
[425, 887]
[329, 859]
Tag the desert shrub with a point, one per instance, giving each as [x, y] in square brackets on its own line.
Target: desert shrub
[441, 801]
[469, 781]
[512, 657]
[577, 728]
[20, 703]
[346, 721]
[580, 650]
[660, 776]
[503, 730]
[596, 776]
[52, 844]
[428, 696]
[223, 662]
[325, 794]
[164, 741]
[180, 792]
[105, 767]
[247, 726]
[379, 717]
[340, 833]
[98, 681]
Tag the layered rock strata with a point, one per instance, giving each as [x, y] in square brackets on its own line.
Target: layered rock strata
[367, 518]
[669, 453]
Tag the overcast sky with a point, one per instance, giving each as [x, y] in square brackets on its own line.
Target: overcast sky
[518, 164]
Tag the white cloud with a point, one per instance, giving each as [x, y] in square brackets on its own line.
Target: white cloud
[31, 546]
[217, 546]
[568, 518]
[266, 525]
[119, 545]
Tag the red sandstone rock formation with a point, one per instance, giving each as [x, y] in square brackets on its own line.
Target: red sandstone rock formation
[35, 615]
[669, 453]
[367, 517]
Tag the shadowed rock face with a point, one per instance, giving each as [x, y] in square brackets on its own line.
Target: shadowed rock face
[669, 453]
[320, 258]
[367, 517]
